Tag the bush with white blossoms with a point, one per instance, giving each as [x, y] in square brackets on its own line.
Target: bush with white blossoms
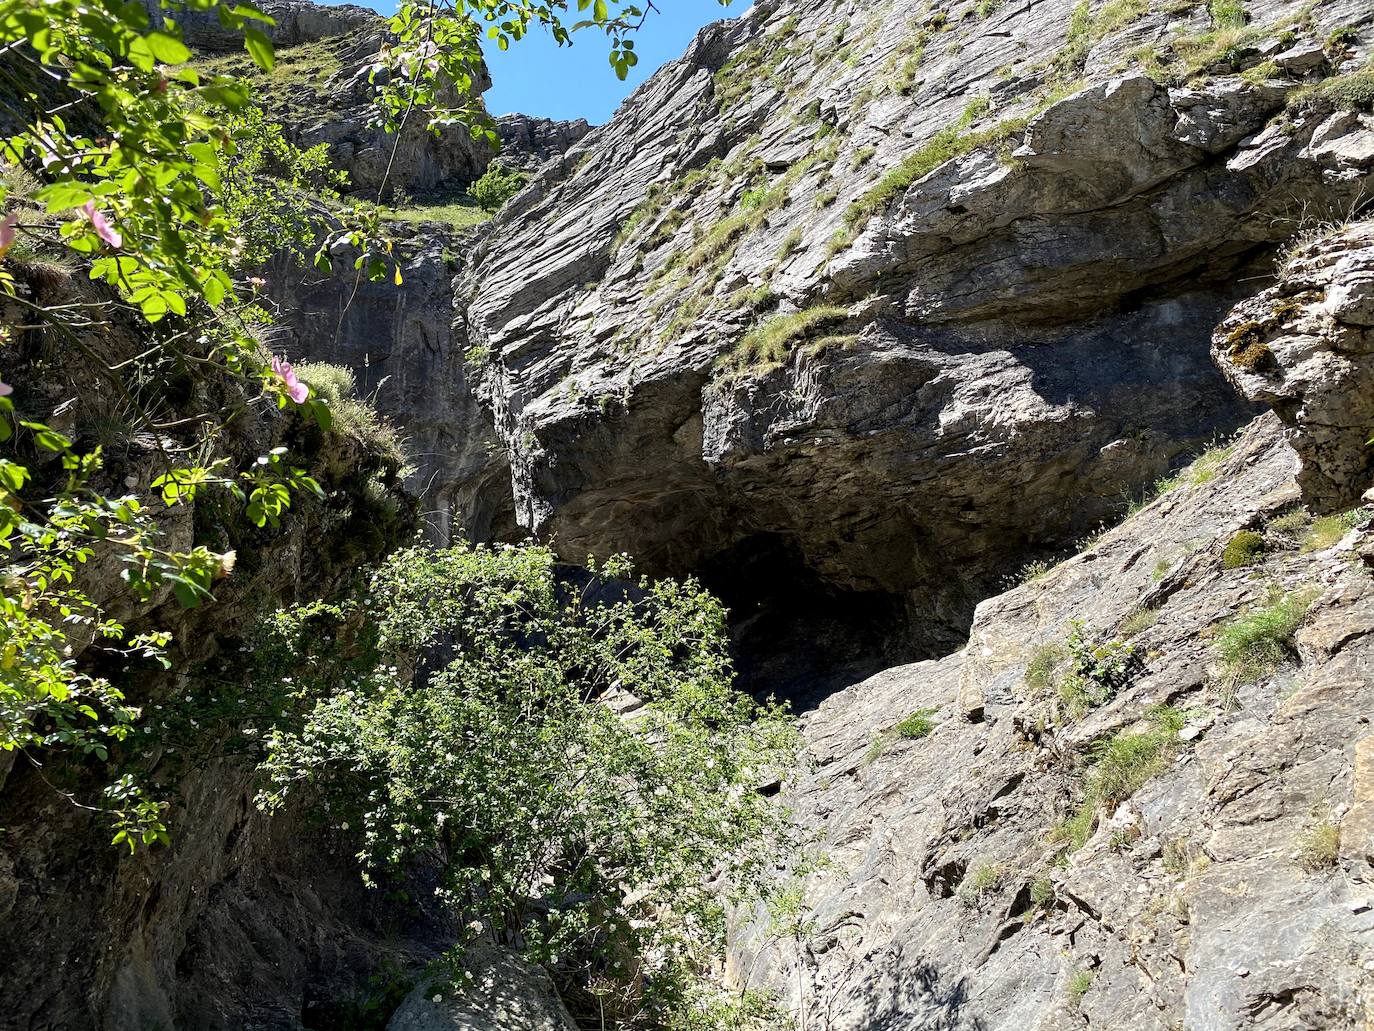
[569, 751]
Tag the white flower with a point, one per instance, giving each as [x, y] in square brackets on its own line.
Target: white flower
[437, 998]
[343, 826]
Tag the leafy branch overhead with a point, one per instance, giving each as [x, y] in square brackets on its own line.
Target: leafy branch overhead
[162, 180]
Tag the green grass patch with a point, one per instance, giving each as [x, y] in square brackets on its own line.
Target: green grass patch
[1328, 531]
[1079, 984]
[1121, 766]
[1259, 640]
[979, 883]
[1319, 847]
[460, 214]
[772, 341]
[916, 726]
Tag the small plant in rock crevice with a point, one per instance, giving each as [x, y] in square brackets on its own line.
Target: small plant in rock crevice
[1082, 673]
[1079, 984]
[1245, 548]
[979, 883]
[1319, 847]
[1260, 639]
[913, 728]
[1119, 767]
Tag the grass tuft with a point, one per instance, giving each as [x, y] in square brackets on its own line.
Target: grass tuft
[770, 342]
[1319, 847]
[1258, 641]
[1122, 765]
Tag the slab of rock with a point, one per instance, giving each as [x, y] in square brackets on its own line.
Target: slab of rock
[506, 994]
[1305, 346]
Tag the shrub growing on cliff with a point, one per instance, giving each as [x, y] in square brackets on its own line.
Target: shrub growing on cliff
[570, 752]
[160, 182]
[496, 186]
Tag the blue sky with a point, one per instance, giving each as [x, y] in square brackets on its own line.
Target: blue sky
[538, 77]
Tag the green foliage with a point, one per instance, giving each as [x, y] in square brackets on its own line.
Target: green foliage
[180, 189]
[1042, 893]
[1120, 766]
[917, 725]
[1259, 640]
[1319, 847]
[979, 883]
[1085, 30]
[1082, 673]
[1328, 531]
[460, 214]
[496, 186]
[1079, 984]
[1227, 14]
[331, 383]
[1245, 548]
[772, 341]
[482, 733]
[790, 245]
[261, 184]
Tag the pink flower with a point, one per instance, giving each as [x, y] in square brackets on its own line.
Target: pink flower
[5, 389]
[8, 231]
[295, 389]
[256, 283]
[101, 225]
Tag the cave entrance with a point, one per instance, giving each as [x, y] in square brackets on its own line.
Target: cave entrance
[797, 636]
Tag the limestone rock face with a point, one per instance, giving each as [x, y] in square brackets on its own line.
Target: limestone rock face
[405, 356]
[1199, 900]
[897, 295]
[1306, 347]
[527, 142]
[506, 994]
[296, 21]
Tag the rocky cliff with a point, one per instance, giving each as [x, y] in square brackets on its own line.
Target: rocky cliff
[873, 297]
[879, 321]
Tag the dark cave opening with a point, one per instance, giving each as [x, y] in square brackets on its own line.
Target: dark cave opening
[798, 637]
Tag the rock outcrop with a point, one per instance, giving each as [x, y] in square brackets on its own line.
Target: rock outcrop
[503, 994]
[321, 91]
[897, 295]
[528, 142]
[293, 22]
[407, 360]
[955, 900]
[1306, 347]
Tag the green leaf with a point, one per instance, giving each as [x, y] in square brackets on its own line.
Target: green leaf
[260, 48]
[167, 49]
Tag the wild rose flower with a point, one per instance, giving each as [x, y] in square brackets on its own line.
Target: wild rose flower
[8, 231]
[5, 389]
[256, 283]
[101, 225]
[295, 389]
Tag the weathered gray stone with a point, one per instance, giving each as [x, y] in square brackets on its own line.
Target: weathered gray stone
[505, 994]
[1187, 906]
[1306, 347]
[526, 142]
[1025, 340]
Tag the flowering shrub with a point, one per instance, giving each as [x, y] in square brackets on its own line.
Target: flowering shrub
[570, 752]
[154, 177]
